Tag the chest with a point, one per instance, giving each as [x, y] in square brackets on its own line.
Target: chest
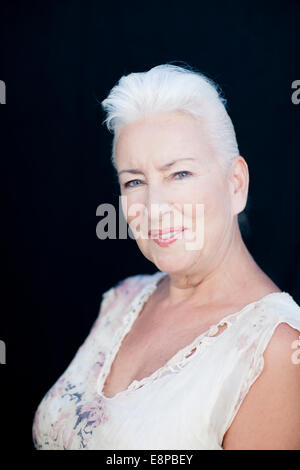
[148, 346]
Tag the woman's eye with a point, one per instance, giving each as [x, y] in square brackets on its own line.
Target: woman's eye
[182, 174]
[131, 184]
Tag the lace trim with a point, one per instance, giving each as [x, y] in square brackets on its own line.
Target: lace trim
[257, 363]
[176, 362]
[192, 350]
[128, 319]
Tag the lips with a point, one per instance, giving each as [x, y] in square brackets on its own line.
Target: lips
[166, 232]
[166, 236]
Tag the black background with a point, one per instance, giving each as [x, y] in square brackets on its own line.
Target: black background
[59, 60]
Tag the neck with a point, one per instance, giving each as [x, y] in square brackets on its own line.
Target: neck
[234, 273]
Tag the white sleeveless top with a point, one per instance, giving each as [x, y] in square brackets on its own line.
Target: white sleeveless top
[188, 403]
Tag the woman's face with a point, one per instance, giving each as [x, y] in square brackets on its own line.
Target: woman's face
[171, 180]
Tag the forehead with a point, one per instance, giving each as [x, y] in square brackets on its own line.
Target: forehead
[161, 137]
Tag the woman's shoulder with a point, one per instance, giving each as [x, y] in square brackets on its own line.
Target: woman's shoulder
[124, 291]
[284, 336]
[282, 308]
[283, 313]
[276, 318]
[274, 378]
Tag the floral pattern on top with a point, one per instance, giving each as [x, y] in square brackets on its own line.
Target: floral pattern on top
[77, 412]
[71, 410]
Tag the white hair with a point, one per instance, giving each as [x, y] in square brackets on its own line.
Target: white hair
[167, 88]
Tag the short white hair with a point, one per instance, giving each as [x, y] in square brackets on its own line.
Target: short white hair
[167, 88]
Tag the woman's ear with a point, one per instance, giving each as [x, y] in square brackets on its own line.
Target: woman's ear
[239, 184]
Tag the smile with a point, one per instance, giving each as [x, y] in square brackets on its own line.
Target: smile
[166, 237]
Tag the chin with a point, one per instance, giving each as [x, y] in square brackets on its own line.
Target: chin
[173, 262]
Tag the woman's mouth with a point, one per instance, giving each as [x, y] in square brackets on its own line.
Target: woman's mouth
[166, 237]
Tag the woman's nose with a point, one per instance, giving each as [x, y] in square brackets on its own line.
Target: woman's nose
[158, 200]
[161, 208]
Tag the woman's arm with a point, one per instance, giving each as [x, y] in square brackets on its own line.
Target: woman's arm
[269, 417]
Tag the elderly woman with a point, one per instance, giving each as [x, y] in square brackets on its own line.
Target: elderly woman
[204, 353]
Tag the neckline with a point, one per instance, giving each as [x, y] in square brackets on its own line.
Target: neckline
[132, 314]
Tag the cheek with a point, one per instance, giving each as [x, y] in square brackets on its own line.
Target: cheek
[210, 202]
[195, 199]
[217, 215]
[219, 201]
[132, 207]
[135, 213]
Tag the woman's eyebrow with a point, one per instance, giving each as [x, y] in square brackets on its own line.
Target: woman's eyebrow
[167, 165]
[131, 170]
[162, 168]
